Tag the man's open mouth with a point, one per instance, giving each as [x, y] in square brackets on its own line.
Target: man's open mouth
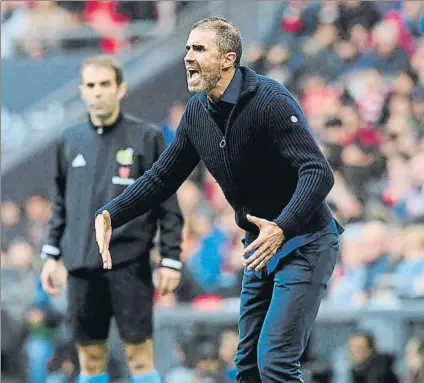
[193, 74]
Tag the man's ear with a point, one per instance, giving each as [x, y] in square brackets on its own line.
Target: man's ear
[122, 90]
[229, 59]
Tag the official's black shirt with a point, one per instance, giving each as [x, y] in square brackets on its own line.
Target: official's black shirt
[94, 165]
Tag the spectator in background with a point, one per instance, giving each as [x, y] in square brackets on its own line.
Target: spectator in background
[11, 221]
[412, 266]
[13, 13]
[402, 87]
[181, 372]
[209, 266]
[227, 351]
[417, 104]
[105, 18]
[63, 367]
[18, 282]
[417, 61]
[13, 359]
[369, 365]
[345, 203]
[43, 28]
[411, 207]
[356, 17]
[373, 241]
[37, 212]
[386, 55]
[411, 13]
[37, 28]
[336, 61]
[174, 116]
[349, 275]
[207, 368]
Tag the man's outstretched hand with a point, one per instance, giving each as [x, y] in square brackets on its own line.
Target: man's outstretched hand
[266, 245]
[103, 227]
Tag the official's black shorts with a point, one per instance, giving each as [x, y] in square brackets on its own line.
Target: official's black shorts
[125, 292]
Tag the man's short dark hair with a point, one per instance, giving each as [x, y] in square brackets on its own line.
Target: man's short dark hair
[107, 62]
[228, 36]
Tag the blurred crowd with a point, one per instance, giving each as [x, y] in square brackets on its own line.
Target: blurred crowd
[37, 29]
[357, 69]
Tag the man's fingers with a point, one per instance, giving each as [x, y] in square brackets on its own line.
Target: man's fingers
[107, 259]
[174, 284]
[166, 284]
[107, 229]
[100, 232]
[103, 236]
[264, 258]
[162, 286]
[258, 259]
[48, 286]
[264, 262]
[103, 231]
[254, 245]
[257, 254]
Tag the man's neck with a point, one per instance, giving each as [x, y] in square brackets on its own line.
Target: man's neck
[110, 120]
[222, 84]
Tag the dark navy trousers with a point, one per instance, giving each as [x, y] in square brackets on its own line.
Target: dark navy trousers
[278, 309]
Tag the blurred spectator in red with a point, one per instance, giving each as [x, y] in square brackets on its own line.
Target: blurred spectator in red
[105, 19]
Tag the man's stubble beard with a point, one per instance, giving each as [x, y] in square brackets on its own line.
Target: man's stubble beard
[207, 84]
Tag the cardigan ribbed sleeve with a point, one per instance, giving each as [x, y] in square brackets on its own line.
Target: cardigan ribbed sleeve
[291, 134]
[158, 184]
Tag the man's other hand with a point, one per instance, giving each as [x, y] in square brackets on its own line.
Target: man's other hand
[167, 280]
[103, 227]
[266, 245]
[53, 276]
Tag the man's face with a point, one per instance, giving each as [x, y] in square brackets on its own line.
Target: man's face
[100, 92]
[202, 61]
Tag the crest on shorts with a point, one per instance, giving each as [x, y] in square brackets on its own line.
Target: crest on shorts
[125, 157]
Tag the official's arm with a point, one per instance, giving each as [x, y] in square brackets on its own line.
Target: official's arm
[291, 133]
[58, 219]
[157, 184]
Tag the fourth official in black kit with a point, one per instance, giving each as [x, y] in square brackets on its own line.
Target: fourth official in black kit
[95, 162]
